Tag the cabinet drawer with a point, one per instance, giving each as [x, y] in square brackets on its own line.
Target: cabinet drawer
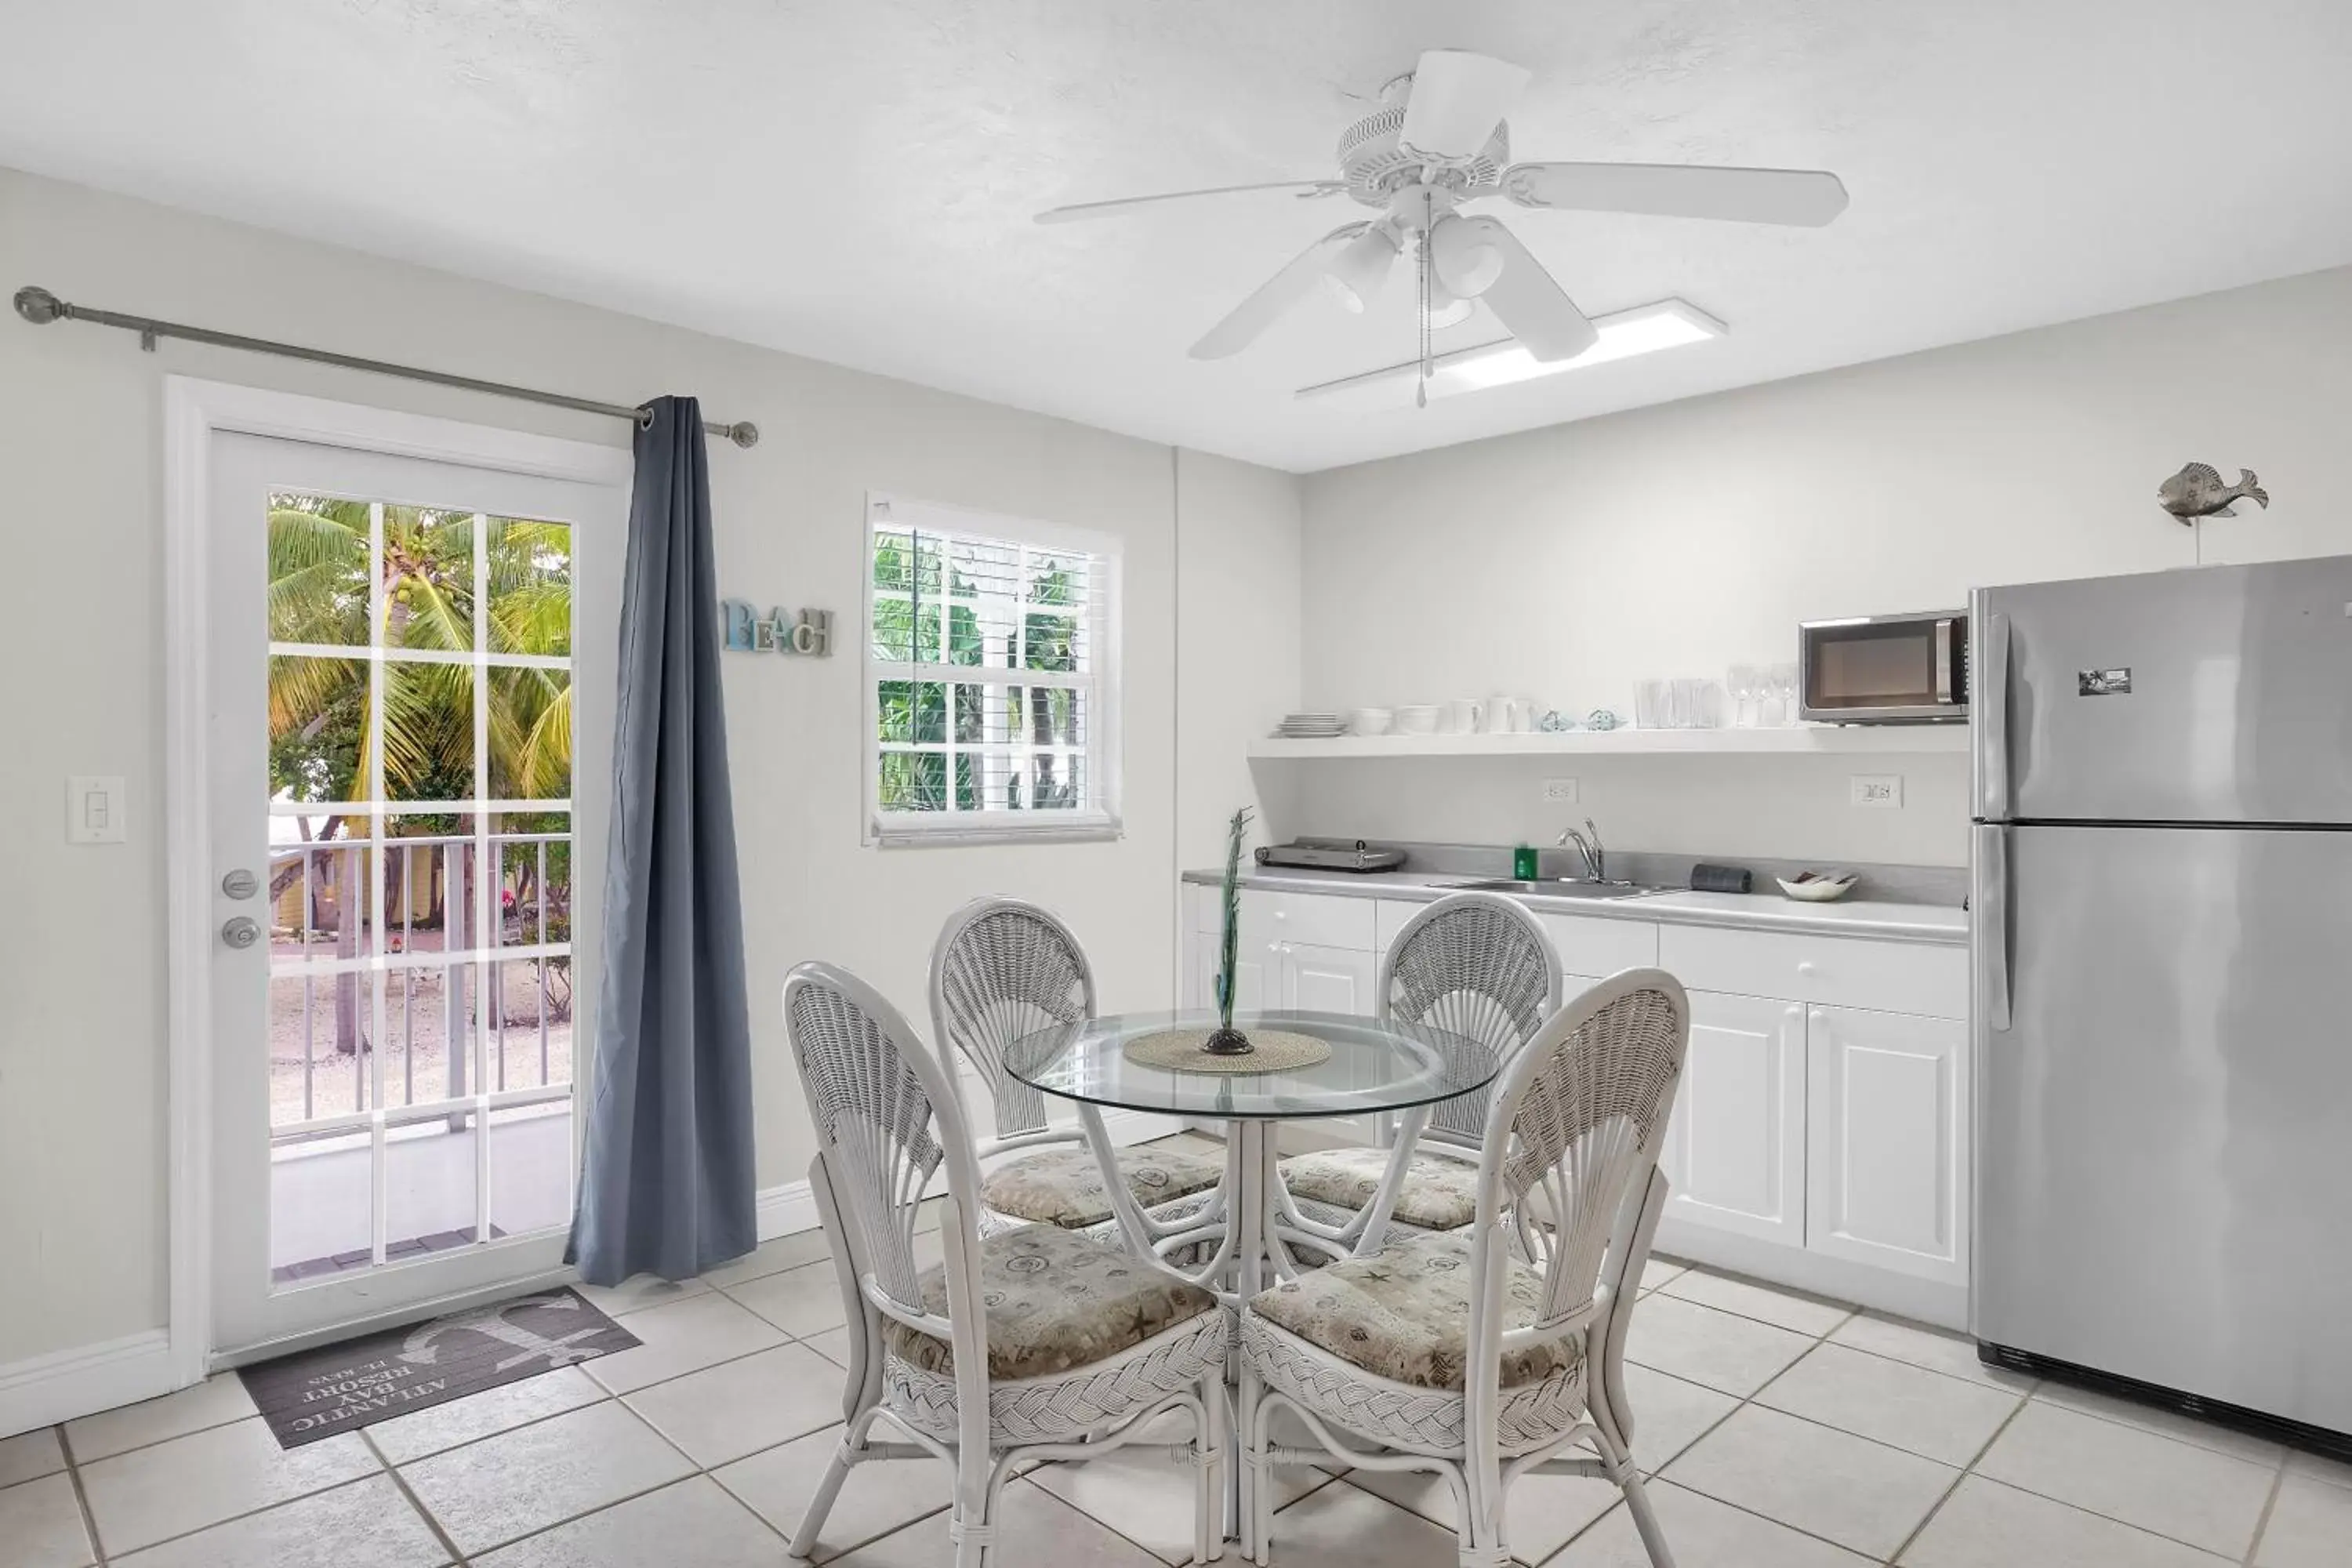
[1888, 976]
[1321, 922]
[1590, 946]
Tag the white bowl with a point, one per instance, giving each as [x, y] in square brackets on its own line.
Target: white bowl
[1818, 887]
[1370, 721]
[1417, 721]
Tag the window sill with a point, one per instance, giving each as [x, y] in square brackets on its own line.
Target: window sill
[911, 836]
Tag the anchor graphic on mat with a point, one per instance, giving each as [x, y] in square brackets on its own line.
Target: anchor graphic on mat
[422, 1349]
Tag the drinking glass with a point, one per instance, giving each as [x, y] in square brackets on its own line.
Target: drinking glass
[1650, 704]
[1747, 684]
[1783, 680]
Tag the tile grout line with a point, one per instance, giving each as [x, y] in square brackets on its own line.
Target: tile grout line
[1967, 1470]
[2270, 1507]
[400, 1484]
[81, 1497]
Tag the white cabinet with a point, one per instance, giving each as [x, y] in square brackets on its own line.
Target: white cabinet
[1325, 979]
[1251, 992]
[1886, 1148]
[1735, 1148]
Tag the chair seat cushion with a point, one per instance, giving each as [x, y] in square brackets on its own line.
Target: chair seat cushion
[1055, 1300]
[1404, 1313]
[1064, 1186]
[1439, 1194]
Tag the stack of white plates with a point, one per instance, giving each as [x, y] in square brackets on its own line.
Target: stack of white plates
[1310, 726]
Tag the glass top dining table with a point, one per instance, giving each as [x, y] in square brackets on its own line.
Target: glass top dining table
[1373, 1066]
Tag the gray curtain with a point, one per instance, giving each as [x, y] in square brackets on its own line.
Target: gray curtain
[667, 1185]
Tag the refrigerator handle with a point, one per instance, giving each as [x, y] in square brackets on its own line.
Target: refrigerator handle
[1989, 705]
[1991, 912]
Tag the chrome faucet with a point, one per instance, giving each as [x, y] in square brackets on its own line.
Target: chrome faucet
[1588, 847]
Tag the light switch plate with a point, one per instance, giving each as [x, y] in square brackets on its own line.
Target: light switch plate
[1874, 789]
[94, 808]
[1560, 791]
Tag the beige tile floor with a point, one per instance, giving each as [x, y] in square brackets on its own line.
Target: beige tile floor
[1782, 1432]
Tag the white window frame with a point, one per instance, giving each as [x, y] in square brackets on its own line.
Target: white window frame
[1104, 716]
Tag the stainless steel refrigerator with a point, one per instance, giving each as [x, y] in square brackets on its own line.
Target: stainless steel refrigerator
[2162, 1017]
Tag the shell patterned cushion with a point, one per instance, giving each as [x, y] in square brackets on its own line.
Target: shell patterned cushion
[1054, 1302]
[1064, 1186]
[1404, 1314]
[1439, 1194]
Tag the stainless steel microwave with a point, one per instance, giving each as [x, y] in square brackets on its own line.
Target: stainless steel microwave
[1885, 670]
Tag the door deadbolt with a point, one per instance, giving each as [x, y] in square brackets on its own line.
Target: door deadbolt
[242, 932]
[240, 884]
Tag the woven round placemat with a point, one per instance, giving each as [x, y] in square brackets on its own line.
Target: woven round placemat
[1179, 1050]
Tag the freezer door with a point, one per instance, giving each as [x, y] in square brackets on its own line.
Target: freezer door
[2163, 1038]
[2222, 694]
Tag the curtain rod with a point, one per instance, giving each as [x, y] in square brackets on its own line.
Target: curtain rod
[40, 307]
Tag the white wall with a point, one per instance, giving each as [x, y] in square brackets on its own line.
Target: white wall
[1237, 621]
[82, 1049]
[1570, 562]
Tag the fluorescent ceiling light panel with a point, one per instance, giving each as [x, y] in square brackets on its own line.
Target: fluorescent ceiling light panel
[1646, 329]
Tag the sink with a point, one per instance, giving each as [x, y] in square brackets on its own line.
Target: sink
[1559, 887]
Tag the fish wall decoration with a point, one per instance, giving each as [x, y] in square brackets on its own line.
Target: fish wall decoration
[2197, 490]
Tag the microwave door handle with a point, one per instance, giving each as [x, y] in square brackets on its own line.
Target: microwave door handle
[1944, 661]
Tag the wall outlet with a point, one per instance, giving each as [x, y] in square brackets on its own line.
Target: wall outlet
[1559, 792]
[1874, 789]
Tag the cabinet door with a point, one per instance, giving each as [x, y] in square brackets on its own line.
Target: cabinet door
[1250, 989]
[1734, 1149]
[1331, 979]
[1887, 1159]
[1327, 979]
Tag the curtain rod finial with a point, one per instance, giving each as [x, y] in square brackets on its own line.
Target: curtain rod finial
[39, 306]
[743, 434]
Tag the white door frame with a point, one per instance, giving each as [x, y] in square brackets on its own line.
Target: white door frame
[194, 412]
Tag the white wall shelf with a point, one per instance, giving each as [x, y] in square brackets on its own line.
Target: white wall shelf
[1803, 740]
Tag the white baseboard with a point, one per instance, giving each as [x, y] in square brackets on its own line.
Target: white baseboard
[788, 1209]
[44, 1390]
[1882, 1289]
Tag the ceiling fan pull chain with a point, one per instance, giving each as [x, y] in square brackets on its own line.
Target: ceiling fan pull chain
[1421, 388]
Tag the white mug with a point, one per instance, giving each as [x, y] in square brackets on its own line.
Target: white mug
[1502, 715]
[1462, 715]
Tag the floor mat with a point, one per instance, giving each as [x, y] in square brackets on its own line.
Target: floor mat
[316, 1393]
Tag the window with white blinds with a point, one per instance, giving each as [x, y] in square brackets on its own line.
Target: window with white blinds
[991, 656]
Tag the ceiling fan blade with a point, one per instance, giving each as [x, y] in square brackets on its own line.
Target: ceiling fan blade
[1808, 197]
[1526, 299]
[1457, 98]
[1304, 189]
[1274, 296]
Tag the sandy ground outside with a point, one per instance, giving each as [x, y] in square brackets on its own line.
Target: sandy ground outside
[416, 1047]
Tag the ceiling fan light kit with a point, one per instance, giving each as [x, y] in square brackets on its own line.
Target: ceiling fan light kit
[1439, 140]
[1646, 329]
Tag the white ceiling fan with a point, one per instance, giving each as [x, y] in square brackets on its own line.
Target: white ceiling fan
[1438, 141]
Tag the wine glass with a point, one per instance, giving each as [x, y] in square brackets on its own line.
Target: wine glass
[1747, 683]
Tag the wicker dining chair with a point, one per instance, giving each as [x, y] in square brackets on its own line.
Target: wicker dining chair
[1003, 969]
[1486, 1354]
[1033, 1344]
[1477, 965]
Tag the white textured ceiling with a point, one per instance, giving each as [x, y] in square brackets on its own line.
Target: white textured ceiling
[854, 180]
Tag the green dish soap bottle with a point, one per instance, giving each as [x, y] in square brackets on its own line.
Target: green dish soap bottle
[1523, 863]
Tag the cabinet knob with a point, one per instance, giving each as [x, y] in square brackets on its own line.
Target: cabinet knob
[1805, 966]
[1281, 914]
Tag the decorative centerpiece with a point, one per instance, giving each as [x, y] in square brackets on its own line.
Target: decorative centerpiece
[1228, 1041]
[1226, 1049]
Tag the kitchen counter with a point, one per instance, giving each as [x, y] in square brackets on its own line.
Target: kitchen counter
[1878, 921]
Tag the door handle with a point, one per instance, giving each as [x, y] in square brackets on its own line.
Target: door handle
[1991, 912]
[1989, 700]
[241, 932]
